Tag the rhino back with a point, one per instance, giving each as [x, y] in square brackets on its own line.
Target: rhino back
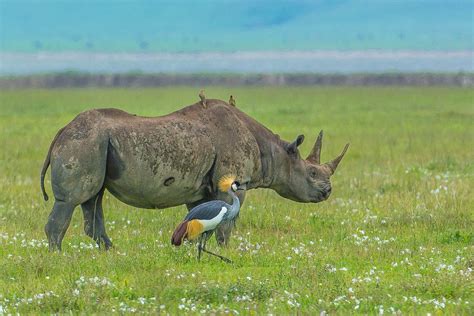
[158, 162]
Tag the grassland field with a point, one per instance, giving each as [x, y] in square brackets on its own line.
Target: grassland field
[396, 235]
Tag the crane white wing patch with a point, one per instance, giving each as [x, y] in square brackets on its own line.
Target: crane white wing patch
[210, 224]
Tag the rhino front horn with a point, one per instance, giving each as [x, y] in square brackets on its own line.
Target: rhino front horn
[333, 164]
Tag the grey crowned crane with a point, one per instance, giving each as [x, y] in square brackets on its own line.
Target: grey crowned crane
[204, 219]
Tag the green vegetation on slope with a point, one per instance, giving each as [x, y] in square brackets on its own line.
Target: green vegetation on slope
[396, 234]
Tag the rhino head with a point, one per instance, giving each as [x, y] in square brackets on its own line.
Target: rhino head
[306, 180]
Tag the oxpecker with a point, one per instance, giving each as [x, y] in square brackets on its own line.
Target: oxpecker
[202, 96]
[232, 101]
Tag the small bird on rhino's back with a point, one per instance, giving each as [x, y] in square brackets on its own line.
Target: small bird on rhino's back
[232, 100]
[204, 219]
[202, 96]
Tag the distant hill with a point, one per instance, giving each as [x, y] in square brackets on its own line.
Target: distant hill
[224, 26]
[82, 80]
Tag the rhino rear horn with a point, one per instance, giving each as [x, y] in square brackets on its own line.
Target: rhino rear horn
[291, 148]
[333, 164]
[315, 154]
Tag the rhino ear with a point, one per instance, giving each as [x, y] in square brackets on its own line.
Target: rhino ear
[293, 147]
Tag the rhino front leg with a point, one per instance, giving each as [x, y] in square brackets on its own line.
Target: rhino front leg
[224, 231]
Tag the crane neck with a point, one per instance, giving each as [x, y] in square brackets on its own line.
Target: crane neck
[235, 207]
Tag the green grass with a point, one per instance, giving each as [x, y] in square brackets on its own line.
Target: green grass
[396, 234]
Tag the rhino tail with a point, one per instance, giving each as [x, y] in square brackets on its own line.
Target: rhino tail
[180, 233]
[47, 162]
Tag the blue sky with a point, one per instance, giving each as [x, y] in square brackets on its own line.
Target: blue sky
[199, 26]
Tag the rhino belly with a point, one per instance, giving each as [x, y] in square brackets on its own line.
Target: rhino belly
[162, 197]
[154, 196]
[150, 175]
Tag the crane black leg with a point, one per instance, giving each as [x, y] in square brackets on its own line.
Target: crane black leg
[202, 243]
[200, 247]
[218, 256]
[214, 254]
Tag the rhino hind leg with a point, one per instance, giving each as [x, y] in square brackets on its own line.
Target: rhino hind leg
[78, 164]
[58, 223]
[94, 225]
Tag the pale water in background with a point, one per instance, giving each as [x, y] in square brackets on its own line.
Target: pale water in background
[236, 36]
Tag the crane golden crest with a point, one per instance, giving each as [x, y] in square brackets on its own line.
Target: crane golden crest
[225, 182]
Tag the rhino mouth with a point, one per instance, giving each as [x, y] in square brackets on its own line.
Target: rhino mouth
[320, 196]
[314, 198]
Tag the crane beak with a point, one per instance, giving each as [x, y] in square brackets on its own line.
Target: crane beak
[242, 187]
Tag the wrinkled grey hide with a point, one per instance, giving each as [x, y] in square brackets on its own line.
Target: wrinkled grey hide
[159, 162]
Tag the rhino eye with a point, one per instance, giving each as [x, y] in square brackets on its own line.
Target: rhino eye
[313, 173]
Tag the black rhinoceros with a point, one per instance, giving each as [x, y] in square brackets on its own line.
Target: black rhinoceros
[159, 162]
